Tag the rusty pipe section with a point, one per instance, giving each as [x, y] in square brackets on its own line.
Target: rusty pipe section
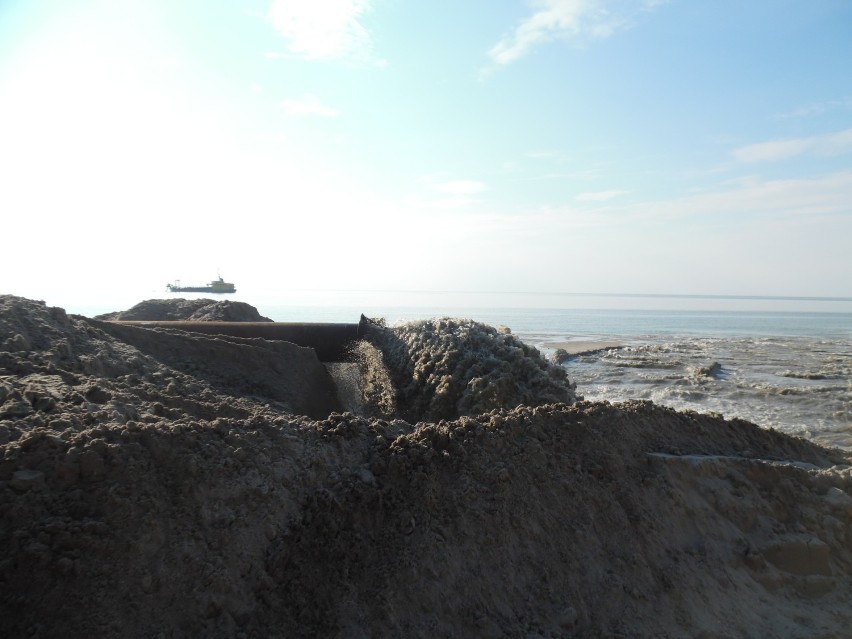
[329, 340]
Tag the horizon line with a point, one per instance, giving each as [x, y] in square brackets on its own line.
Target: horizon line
[718, 296]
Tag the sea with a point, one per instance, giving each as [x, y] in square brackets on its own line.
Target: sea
[780, 362]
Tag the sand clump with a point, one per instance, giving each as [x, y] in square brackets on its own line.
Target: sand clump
[146, 491]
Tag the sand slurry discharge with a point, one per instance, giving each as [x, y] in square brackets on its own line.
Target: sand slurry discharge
[156, 483]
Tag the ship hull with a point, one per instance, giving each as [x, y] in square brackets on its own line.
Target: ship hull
[216, 286]
[200, 289]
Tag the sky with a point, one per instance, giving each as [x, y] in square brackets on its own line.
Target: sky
[587, 146]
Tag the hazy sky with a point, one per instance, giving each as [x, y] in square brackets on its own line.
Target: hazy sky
[637, 146]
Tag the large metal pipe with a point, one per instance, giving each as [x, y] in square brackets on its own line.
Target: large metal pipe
[329, 340]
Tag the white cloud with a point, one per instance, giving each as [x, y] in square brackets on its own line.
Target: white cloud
[307, 105]
[538, 155]
[772, 235]
[462, 187]
[455, 194]
[818, 108]
[577, 20]
[802, 199]
[830, 144]
[771, 151]
[599, 196]
[323, 29]
[826, 195]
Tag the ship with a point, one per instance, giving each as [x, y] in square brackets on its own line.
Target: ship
[216, 286]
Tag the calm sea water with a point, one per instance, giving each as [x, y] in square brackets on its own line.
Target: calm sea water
[784, 363]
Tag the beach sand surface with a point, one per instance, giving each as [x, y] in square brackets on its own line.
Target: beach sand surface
[161, 484]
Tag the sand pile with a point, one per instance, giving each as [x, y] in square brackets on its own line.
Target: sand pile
[200, 310]
[141, 495]
[444, 368]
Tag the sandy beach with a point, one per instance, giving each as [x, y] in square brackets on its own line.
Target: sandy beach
[159, 483]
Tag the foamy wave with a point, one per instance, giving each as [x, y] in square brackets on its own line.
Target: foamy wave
[798, 385]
